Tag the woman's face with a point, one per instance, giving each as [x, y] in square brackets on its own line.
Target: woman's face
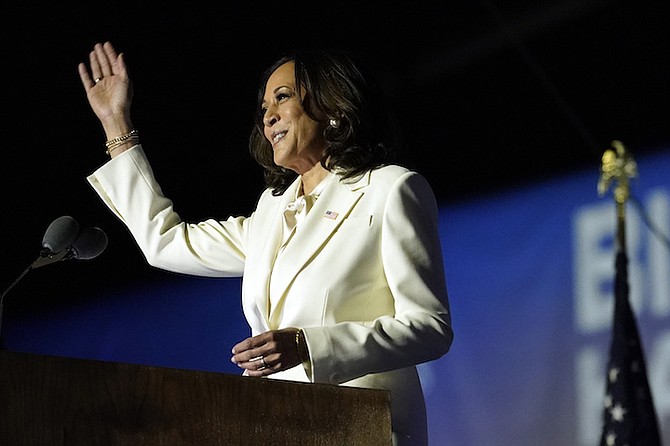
[297, 140]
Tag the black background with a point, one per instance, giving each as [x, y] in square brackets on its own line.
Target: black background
[487, 96]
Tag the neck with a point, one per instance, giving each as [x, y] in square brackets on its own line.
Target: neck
[312, 178]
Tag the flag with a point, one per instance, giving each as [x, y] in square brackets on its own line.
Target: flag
[331, 214]
[629, 416]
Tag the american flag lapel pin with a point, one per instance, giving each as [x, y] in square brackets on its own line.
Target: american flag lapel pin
[331, 215]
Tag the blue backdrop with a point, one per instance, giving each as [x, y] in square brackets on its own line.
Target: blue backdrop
[530, 274]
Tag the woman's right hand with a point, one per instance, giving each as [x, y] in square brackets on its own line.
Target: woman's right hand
[108, 89]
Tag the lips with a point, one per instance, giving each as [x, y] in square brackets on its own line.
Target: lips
[277, 136]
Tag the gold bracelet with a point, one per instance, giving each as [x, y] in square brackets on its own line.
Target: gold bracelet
[122, 138]
[114, 143]
[109, 151]
[112, 148]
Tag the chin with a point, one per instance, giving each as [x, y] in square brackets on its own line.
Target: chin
[278, 161]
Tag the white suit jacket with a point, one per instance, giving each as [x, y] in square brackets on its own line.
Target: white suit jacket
[362, 276]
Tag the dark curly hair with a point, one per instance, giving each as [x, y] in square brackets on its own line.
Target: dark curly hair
[335, 88]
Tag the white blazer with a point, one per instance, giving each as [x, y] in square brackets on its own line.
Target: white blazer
[362, 276]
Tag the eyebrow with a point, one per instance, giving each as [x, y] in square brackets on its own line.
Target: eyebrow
[275, 91]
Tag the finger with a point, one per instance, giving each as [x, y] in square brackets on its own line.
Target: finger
[241, 346]
[96, 72]
[253, 364]
[269, 363]
[259, 367]
[248, 352]
[248, 358]
[110, 51]
[103, 60]
[85, 77]
[264, 365]
[112, 57]
[251, 343]
[120, 66]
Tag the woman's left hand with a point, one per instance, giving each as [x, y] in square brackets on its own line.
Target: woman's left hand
[267, 353]
[108, 87]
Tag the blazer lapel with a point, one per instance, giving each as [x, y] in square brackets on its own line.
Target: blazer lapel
[331, 208]
[259, 276]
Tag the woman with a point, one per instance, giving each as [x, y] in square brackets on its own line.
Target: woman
[343, 274]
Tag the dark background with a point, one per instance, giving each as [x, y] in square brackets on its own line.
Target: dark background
[488, 96]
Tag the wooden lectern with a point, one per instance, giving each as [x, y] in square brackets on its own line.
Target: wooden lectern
[52, 401]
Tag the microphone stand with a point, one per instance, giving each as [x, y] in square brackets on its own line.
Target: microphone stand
[46, 257]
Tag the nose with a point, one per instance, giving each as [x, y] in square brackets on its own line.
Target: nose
[271, 116]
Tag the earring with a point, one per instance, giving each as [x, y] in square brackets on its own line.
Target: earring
[334, 123]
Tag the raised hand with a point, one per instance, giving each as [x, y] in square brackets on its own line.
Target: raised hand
[108, 89]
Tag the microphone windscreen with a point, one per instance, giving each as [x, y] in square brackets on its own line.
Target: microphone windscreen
[60, 234]
[90, 244]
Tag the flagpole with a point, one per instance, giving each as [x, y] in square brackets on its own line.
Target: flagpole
[629, 416]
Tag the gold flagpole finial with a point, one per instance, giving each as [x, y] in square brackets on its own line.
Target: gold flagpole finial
[618, 165]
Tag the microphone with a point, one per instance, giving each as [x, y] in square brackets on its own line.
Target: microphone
[63, 240]
[60, 234]
[89, 244]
